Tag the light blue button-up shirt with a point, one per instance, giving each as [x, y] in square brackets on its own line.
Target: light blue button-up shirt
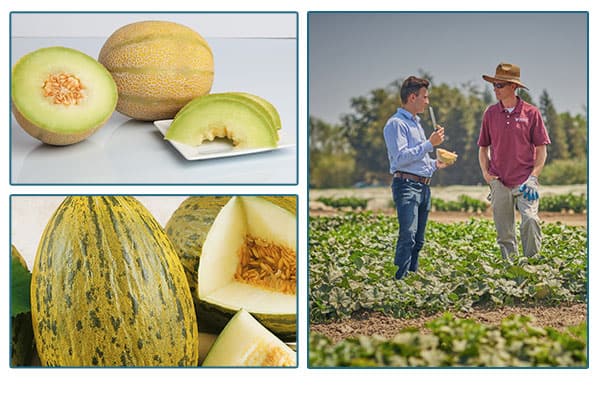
[407, 146]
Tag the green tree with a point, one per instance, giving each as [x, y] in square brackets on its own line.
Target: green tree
[488, 96]
[575, 128]
[363, 128]
[559, 149]
[331, 156]
[525, 96]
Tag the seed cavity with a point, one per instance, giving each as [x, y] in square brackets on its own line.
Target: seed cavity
[267, 265]
[65, 89]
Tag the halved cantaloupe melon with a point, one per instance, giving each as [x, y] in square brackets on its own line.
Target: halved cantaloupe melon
[60, 95]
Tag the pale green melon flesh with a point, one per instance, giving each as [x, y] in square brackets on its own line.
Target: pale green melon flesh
[32, 70]
[273, 113]
[245, 342]
[220, 258]
[238, 118]
[265, 104]
[234, 294]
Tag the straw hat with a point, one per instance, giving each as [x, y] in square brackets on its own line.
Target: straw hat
[506, 72]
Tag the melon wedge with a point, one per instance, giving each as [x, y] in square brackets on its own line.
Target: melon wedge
[248, 261]
[245, 342]
[273, 113]
[268, 106]
[239, 118]
[445, 156]
[60, 95]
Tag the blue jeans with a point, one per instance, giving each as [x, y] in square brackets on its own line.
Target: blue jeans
[413, 202]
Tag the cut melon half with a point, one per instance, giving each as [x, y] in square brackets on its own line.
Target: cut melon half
[241, 119]
[244, 342]
[248, 261]
[60, 95]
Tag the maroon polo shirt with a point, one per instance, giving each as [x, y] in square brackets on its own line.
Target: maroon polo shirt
[512, 137]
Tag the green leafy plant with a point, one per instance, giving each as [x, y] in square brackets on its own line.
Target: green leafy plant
[564, 202]
[20, 281]
[566, 172]
[464, 203]
[452, 341]
[344, 202]
[351, 268]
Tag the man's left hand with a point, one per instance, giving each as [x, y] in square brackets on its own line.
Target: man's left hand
[440, 165]
[529, 188]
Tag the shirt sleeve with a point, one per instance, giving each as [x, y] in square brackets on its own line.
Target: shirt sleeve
[539, 134]
[396, 140]
[484, 134]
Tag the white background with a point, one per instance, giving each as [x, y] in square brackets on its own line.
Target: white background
[210, 25]
[301, 383]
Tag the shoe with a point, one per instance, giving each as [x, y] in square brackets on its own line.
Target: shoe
[399, 275]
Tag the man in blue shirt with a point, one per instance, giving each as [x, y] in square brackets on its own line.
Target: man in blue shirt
[408, 152]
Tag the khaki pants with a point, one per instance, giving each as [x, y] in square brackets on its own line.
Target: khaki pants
[504, 200]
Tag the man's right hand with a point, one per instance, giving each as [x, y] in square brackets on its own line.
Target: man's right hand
[437, 137]
[489, 177]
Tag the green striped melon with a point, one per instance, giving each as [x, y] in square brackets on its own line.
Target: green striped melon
[187, 229]
[21, 329]
[108, 289]
[158, 66]
[244, 342]
[208, 227]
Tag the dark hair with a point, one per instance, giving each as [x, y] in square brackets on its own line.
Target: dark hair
[412, 84]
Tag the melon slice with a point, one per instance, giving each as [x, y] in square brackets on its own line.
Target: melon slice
[239, 118]
[268, 106]
[245, 342]
[445, 156]
[60, 95]
[273, 113]
[248, 261]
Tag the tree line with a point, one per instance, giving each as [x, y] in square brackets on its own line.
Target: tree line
[352, 152]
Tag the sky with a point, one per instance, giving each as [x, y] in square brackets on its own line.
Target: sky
[350, 54]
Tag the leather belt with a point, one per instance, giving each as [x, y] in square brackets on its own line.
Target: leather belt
[416, 178]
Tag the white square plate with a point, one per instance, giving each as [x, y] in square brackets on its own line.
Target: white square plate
[218, 148]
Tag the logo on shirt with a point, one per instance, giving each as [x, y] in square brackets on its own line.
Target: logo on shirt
[522, 119]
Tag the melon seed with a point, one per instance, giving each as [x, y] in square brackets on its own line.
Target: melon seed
[64, 88]
[267, 265]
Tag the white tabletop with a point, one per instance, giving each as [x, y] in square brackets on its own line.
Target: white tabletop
[125, 151]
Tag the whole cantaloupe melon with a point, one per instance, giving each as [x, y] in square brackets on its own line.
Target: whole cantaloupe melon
[158, 66]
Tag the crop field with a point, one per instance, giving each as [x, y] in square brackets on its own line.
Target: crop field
[379, 197]
[461, 273]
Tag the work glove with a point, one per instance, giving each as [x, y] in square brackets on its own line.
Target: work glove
[529, 188]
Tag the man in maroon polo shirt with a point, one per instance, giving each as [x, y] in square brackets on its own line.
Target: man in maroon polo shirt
[512, 152]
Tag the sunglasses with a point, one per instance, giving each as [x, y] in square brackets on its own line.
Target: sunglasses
[499, 85]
